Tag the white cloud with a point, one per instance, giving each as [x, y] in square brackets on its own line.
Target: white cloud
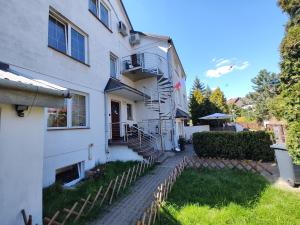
[243, 66]
[219, 71]
[224, 66]
[223, 62]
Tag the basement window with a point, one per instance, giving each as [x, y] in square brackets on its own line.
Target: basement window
[70, 175]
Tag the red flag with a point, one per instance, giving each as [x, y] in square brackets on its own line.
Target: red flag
[177, 85]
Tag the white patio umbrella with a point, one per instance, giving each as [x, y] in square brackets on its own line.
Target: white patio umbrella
[217, 116]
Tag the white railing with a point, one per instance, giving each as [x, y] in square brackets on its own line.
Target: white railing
[146, 61]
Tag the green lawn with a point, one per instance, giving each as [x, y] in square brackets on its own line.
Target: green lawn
[228, 197]
[56, 198]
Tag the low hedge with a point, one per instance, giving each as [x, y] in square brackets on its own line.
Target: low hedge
[234, 145]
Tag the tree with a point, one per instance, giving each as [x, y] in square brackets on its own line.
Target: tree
[198, 85]
[266, 83]
[290, 75]
[218, 99]
[207, 92]
[235, 110]
[266, 86]
[196, 100]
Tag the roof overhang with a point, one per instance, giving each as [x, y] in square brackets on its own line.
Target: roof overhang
[180, 114]
[118, 88]
[19, 90]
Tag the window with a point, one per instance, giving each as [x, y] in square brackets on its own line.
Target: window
[65, 37]
[77, 45]
[129, 112]
[57, 35]
[113, 66]
[70, 175]
[72, 115]
[93, 6]
[78, 111]
[100, 10]
[58, 117]
[104, 14]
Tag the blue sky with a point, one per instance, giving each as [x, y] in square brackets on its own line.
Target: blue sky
[224, 43]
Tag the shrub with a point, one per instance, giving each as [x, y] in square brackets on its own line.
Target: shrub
[290, 75]
[234, 145]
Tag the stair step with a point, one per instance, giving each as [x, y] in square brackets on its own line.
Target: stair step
[162, 78]
[164, 83]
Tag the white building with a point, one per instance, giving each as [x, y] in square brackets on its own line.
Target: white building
[22, 128]
[122, 82]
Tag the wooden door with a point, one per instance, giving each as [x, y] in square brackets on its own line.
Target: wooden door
[115, 120]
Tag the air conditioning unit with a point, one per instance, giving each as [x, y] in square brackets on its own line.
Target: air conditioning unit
[122, 29]
[134, 39]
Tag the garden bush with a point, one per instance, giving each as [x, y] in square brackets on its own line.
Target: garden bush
[234, 145]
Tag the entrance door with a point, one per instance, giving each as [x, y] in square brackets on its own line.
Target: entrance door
[115, 120]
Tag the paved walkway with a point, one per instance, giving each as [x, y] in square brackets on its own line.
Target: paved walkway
[129, 209]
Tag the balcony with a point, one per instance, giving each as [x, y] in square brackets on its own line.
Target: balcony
[143, 65]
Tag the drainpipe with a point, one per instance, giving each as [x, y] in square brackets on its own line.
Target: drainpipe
[172, 98]
[106, 124]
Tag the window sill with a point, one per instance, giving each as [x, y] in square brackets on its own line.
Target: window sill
[101, 21]
[68, 128]
[69, 56]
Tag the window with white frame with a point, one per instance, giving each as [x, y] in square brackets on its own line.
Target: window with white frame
[78, 110]
[67, 38]
[93, 6]
[100, 10]
[70, 175]
[104, 14]
[113, 65]
[72, 115]
[57, 34]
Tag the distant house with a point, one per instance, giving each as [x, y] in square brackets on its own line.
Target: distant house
[128, 87]
[243, 103]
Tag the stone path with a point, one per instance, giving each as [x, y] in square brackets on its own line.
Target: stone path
[129, 209]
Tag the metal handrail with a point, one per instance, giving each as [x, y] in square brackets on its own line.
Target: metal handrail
[130, 132]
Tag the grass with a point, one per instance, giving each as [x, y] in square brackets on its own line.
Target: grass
[228, 197]
[56, 198]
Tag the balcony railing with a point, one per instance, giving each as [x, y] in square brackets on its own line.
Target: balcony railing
[143, 65]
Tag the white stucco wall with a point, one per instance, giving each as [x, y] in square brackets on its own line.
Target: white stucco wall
[21, 164]
[122, 153]
[188, 131]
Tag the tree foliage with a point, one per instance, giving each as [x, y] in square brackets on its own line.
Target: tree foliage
[290, 75]
[218, 99]
[266, 87]
[198, 85]
[203, 102]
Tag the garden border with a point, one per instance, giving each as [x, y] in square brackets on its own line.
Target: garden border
[115, 187]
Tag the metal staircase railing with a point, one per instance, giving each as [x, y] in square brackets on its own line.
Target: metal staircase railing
[160, 96]
[132, 134]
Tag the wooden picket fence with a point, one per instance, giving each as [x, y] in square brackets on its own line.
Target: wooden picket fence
[104, 195]
[160, 195]
[220, 163]
[27, 221]
[151, 214]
